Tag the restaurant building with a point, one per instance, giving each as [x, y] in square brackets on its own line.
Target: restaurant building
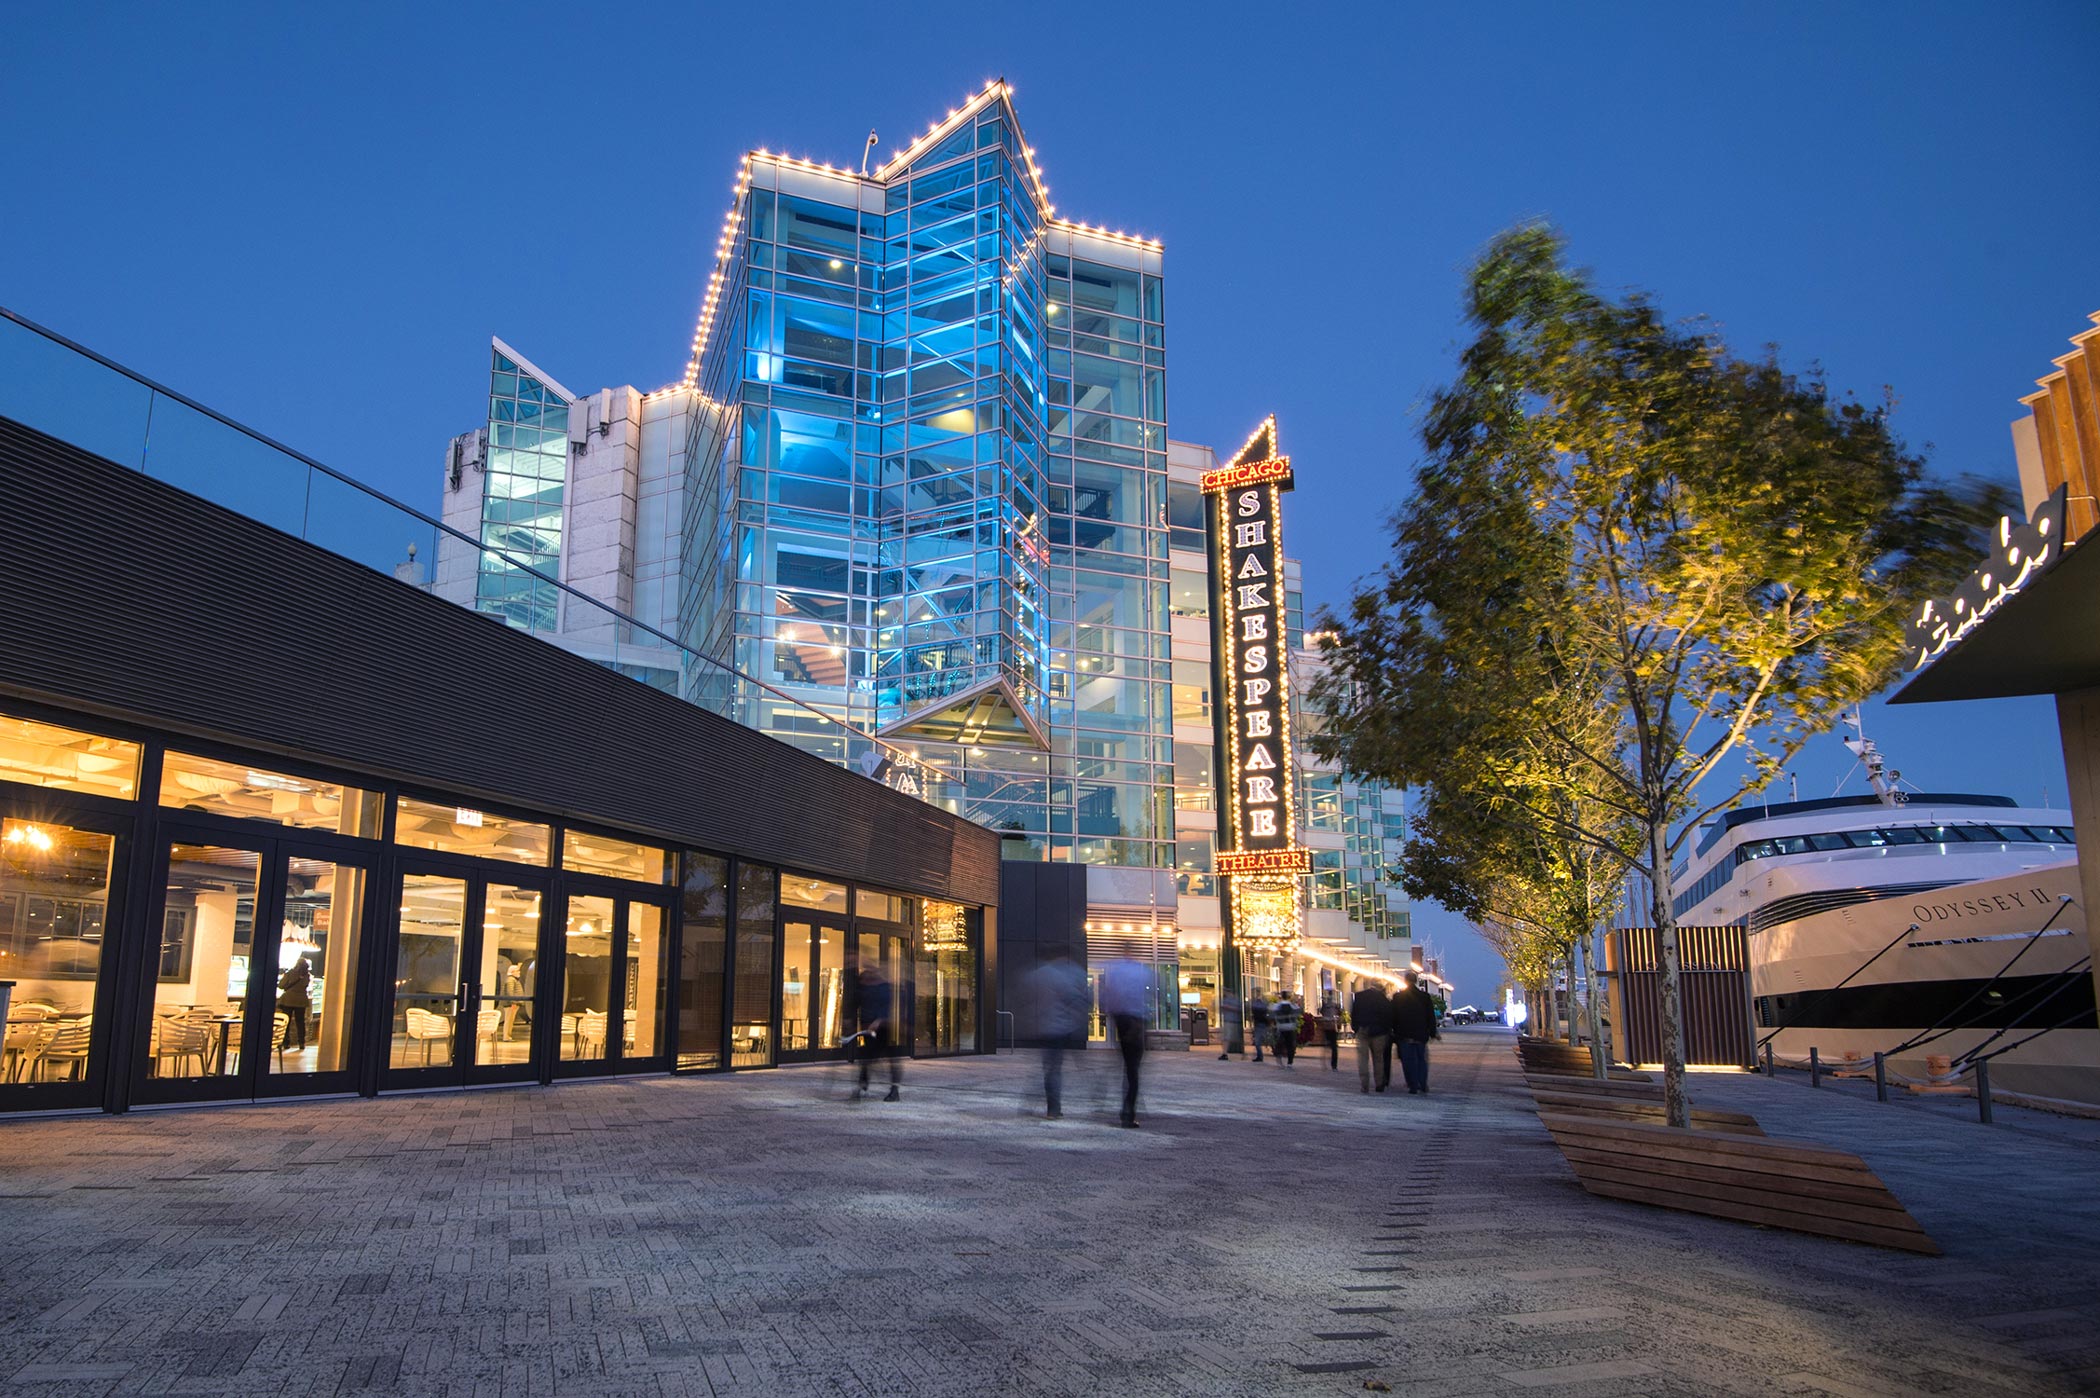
[274, 820]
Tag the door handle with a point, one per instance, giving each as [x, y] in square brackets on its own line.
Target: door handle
[463, 994]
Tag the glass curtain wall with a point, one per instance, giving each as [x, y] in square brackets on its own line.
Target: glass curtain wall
[521, 508]
[946, 464]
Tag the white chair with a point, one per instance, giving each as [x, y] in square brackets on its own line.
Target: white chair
[24, 1043]
[428, 1029]
[590, 1034]
[69, 1043]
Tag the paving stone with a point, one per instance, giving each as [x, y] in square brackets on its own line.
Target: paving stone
[757, 1234]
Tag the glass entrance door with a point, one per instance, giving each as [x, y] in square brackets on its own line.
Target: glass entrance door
[252, 990]
[815, 994]
[612, 1007]
[881, 960]
[466, 974]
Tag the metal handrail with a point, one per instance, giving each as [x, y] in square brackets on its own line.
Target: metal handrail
[728, 671]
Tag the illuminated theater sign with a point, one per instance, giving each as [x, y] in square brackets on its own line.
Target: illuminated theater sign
[1250, 656]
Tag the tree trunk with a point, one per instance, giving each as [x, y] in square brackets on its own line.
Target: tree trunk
[1600, 1055]
[1677, 1107]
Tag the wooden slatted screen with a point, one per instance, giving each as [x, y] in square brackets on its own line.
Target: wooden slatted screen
[1713, 980]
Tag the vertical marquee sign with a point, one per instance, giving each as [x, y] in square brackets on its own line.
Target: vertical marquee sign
[1250, 650]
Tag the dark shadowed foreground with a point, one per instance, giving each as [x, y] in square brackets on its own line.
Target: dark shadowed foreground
[1266, 1231]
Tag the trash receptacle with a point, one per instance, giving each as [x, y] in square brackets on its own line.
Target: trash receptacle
[1195, 1022]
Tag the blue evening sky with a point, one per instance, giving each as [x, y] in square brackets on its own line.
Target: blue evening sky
[312, 218]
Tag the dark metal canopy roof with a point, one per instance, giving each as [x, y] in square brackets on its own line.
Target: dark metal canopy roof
[2044, 639]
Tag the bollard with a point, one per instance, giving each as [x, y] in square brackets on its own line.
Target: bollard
[1815, 1069]
[1881, 1078]
[1983, 1091]
[1771, 1069]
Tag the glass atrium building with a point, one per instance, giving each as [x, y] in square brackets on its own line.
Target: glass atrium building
[913, 484]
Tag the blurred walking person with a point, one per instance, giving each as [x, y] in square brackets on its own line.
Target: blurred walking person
[1286, 1017]
[1372, 1015]
[1258, 1016]
[1229, 1023]
[1330, 1021]
[875, 1007]
[1126, 999]
[1057, 991]
[1414, 1025]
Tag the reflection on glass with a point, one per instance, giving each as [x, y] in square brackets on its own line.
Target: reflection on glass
[462, 830]
[583, 853]
[796, 990]
[751, 1016]
[54, 896]
[882, 907]
[41, 754]
[207, 938]
[801, 891]
[947, 982]
[642, 972]
[703, 929]
[427, 970]
[586, 978]
[831, 1003]
[510, 953]
[235, 789]
[324, 908]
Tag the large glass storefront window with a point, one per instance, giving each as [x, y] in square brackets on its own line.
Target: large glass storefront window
[427, 959]
[207, 942]
[54, 901]
[64, 759]
[703, 931]
[583, 853]
[316, 970]
[204, 784]
[947, 980]
[509, 960]
[464, 830]
[586, 978]
[642, 976]
[751, 1014]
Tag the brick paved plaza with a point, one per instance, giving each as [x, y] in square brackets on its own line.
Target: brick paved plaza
[1266, 1232]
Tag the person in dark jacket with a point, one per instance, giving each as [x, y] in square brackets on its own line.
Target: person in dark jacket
[875, 1006]
[1330, 1021]
[295, 998]
[1258, 1016]
[1414, 1025]
[1285, 1017]
[1371, 1014]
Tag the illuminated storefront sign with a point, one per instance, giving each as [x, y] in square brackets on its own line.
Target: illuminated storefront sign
[1266, 861]
[2022, 552]
[1252, 658]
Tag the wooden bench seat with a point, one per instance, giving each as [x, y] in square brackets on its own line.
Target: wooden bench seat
[1538, 1056]
[1638, 1086]
[1638, 1109]
[1753, 1179]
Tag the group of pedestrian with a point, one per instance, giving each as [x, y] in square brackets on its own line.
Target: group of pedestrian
[1061, 1004]
[1406, 1020]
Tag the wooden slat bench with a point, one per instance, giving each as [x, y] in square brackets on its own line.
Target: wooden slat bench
[1640, 1088]
[1753, 1179]
[1545, 1056]
[1636, 1109]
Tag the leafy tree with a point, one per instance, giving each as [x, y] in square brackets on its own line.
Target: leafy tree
[1636, 575]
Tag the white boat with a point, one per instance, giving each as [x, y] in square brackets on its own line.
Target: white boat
[1875, 920]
